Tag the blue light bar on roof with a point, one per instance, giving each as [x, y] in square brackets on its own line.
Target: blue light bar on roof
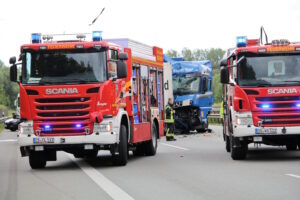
[36, 38]
[241, 41]
[97, 35]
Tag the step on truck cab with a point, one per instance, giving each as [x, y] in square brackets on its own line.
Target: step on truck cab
[261, 91]
[82, 96]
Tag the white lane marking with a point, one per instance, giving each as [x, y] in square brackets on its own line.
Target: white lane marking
[114, 191]
[177, 147]
[293, 175]
[9, 140]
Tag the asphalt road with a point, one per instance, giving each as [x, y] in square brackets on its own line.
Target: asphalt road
[194, 167]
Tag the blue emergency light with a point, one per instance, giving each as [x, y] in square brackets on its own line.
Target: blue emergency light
[241, 41]
[298, 105]
[47, 127]
[265, 106]
[97, 36]
[78, 125]
[36, 38]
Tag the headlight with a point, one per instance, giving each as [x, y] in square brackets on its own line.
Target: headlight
[244, 119]
[105, 127]
[26, 127]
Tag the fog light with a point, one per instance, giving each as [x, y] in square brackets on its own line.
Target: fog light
[88, 147]
[39, 148]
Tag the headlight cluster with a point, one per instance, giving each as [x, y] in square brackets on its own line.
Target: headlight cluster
[103, 127]
[26, 127]
[178, 104]
[243, 119]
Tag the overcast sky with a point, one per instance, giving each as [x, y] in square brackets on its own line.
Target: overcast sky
[170, 24]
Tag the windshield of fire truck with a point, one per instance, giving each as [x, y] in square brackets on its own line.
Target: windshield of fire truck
[186, 85]
[261, 70]
[64, 66]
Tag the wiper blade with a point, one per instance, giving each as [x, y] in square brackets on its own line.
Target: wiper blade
[263, 85]
[291, 81]
[44, 82]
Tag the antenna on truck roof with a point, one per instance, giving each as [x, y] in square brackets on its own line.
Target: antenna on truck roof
[262, 30]
[97, 17]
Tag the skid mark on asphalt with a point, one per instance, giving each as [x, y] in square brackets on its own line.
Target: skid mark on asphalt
[177, 147]
[10, 140]
[114, 191]
[293, 175]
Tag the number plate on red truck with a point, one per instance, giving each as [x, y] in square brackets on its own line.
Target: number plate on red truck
[44, 140]
[266, 131]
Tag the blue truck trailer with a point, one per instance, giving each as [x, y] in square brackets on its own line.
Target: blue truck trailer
[192, 92]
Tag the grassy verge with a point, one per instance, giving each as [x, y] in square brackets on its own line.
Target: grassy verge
[9, 110]
[1, 127]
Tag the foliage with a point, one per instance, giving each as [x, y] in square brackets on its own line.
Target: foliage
[214, 55]
[8, 90]
[172, 53]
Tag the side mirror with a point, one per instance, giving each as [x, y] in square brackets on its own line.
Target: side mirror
[121, 69]
[123, 56]
[12, 60]
[224, 75]
[13, 73]
[223, 63]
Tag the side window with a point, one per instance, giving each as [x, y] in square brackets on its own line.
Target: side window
[209, 85]
[112, 65]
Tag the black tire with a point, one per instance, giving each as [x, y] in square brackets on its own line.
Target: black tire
[13, 129]
[299, 146]
[120, 159]
[238, 153]
[204, 129]
[139, 150]
[227, 143]
[291, 147]
[201, 130]
[37, 160]
[151, 146]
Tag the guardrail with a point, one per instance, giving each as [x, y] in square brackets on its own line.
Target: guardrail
[2, 119]
[214, 116]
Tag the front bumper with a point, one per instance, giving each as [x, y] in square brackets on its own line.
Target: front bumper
[244, 130]
[102, 138]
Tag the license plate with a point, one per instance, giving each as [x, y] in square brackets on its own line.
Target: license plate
[44, 140]
[266, 131]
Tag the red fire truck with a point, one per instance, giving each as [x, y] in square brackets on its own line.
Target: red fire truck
[82, 96]
[261, 95]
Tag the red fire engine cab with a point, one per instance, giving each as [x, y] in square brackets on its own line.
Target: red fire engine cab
[83, 96]
[261, 95]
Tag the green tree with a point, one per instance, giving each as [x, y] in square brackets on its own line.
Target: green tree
[172, 53]
[187, 54]
[8, 90]
[215, 55]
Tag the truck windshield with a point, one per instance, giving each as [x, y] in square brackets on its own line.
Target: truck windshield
[64, 66]
[269, 70]
[186, 85]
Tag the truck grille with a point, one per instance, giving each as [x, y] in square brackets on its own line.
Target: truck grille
[282, 111]
[66, 116]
